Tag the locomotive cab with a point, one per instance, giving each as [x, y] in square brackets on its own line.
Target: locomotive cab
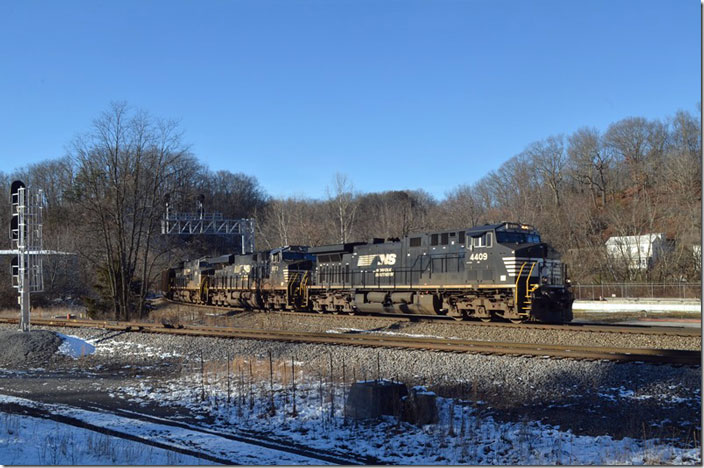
[513, 255]
[290, 276]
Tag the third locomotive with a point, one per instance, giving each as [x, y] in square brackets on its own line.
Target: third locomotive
[492, 271]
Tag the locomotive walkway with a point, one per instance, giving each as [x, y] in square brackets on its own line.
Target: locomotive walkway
[661, 356]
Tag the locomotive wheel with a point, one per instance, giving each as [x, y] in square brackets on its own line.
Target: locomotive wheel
[516, 321]
[485, 319]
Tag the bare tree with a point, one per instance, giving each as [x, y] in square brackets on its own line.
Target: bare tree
[640, 143]
[549, 159]
[590, 162]
[463, 207]
[343, 203]
[236, 195]
[125, 165]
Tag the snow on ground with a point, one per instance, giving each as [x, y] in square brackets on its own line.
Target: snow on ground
[390, 333]
[132, 349]
[25, 440]
[234, 451]
[465, 434]
[75, 347]
[470, 439]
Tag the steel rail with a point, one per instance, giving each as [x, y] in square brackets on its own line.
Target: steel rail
[666, 356]
[578, 327]
[16, 408]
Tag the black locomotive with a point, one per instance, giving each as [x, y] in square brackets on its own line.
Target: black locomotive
[499, 271]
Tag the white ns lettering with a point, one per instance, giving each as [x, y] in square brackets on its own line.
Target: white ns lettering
[387, 259]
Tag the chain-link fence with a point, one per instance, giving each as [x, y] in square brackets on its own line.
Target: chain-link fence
[652, 290]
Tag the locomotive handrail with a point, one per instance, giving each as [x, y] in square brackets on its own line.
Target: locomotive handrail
[528, 280]
[515, 291]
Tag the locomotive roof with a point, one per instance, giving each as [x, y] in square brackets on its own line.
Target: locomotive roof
[504, 225]
[478, 230]
[334, 248]
[227, 258]
[482, 229]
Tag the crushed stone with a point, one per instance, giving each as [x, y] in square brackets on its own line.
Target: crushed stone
[21, 349]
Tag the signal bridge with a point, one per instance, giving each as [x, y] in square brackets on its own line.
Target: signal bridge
[200, 223]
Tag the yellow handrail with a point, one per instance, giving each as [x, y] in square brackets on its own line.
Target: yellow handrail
[528, 280]
[515, 291]
[520, 272]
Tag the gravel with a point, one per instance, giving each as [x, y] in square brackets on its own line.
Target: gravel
[592, 397]
[33, 348]
[463, 330]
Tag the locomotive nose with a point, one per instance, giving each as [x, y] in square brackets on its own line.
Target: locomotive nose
[532, 250]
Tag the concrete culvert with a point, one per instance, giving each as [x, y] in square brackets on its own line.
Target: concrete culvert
[372, 399]
[420, 407]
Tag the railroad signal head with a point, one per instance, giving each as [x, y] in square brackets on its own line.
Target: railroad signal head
[15, 266]
[15, 189]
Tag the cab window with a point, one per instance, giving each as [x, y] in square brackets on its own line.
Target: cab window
[485, 240]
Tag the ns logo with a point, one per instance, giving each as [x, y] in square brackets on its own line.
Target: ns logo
[384, 259]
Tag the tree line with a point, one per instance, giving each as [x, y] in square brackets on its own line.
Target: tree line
[106, 197]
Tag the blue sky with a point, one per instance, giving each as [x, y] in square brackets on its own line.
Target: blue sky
[395, 94]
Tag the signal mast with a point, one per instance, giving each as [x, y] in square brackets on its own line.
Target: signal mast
[26, 238]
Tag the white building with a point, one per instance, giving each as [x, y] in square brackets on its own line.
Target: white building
[637, 252]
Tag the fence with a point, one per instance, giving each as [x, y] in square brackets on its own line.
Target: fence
[652, 290]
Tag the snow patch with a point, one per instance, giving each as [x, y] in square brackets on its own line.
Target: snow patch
[75, 347]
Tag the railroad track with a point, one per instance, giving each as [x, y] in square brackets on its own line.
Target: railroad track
[38, 412]
[160, 437]
[661, 356]
[580, 327]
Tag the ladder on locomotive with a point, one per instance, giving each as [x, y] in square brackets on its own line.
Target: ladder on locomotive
[297, 289]
[527, 303]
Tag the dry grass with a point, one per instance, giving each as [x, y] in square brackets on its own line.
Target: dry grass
[175, 314]
[46, 312]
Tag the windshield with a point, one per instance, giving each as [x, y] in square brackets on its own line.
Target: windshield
[516, 238]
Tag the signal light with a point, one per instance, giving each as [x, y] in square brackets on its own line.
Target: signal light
[16, 188]
[15, 271]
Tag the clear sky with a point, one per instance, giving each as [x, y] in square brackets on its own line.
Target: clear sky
[395, 94]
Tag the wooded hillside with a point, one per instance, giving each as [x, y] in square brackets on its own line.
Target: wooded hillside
[105, 199]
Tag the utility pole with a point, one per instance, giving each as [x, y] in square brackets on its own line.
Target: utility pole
[26, 237]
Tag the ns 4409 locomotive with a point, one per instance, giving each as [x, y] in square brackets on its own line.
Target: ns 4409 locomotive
[498, 271]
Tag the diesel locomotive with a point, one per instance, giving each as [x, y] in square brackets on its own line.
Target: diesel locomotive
[497, 271]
